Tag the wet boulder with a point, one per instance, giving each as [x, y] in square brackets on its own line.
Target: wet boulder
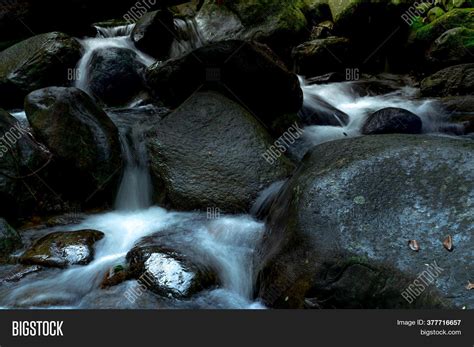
[392, 120]
[80, 135]
[154, 33]
[245, 71]
[167, 272]
[63, 249]
[116, 75]
[40, 61]
[209, 152]
[10, 240]
[340, 234]
[451, 81]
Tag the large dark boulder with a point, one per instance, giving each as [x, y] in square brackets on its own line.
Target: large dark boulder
[116, 75]
[10, 240]
[338, 232]
[451, 81]
[246, 71]
[25, 171]
[154, 33]
[392, 120]
[40, 61]
[79, 134]
[63, 249]
[209, 152]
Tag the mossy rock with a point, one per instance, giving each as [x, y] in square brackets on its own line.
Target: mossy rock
[278, 24]
[455, 46]
[435, 13]
[426, 34]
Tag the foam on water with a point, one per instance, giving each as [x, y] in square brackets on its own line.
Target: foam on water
[342, 96]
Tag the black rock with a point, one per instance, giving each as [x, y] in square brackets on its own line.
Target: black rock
[392, 120]
[210, 152]
[116, 75]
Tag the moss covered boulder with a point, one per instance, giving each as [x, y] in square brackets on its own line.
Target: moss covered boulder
[277, 23]
[455, 46]
[427, 33]
[40, 61]
[63, 249]
[339, 232]
[209, 152]
[10, 240]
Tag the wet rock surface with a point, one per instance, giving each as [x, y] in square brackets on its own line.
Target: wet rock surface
[209, 153]
[38, 62]
[63, 249]
[339, 230]
[80, 135]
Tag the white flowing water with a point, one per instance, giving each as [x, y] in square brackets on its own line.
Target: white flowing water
[342, 96]
[226, 244]
[189, 37]
[135, 191]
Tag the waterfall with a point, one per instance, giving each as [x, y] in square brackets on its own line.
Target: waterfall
[189, 37]
[107, 32]
[135, 192]
[342, 96]
[111, 37]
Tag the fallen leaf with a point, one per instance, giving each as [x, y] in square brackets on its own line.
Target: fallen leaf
[414, 246]
[448, 243]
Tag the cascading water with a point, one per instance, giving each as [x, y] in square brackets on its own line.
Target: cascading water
[135, 191]
[342, 96]
[224, 243]
[189, 37]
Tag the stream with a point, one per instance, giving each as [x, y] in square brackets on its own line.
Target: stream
[225, 243]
